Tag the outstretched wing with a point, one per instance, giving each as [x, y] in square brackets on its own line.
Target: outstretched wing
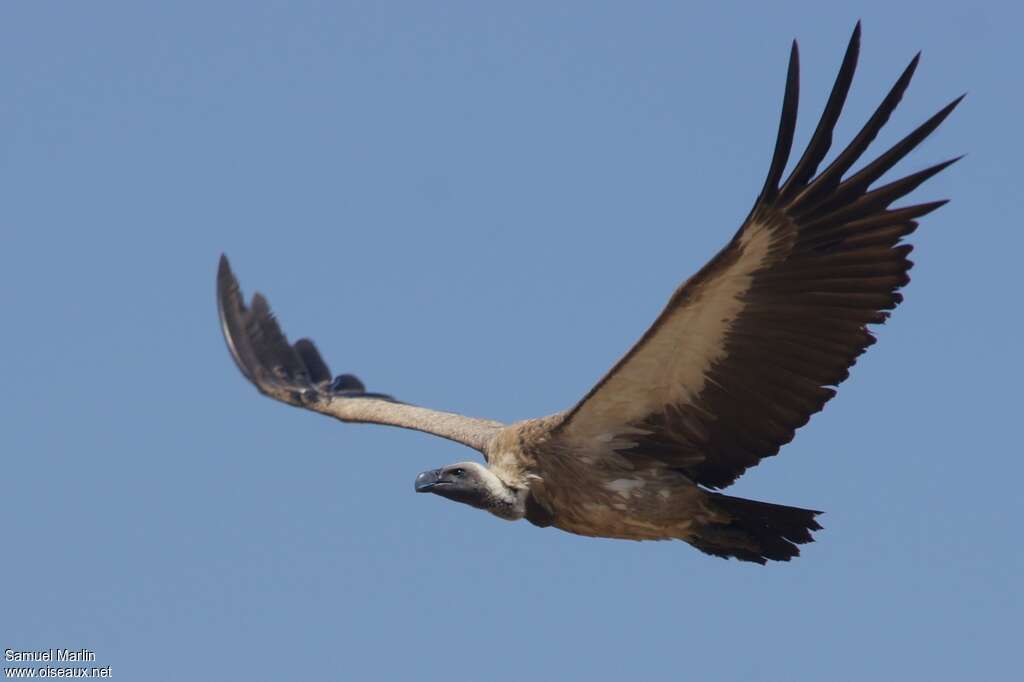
[297, 375]
[753, 344]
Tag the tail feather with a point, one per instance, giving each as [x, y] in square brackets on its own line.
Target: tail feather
[755, 531]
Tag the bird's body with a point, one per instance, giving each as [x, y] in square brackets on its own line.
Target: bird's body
[619, 499]
[743, 354]
[597, 492]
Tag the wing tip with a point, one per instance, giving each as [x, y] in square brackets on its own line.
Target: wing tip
[787, 127]
[225, 276]
[254, 339]
[230, 313]
[821, 140]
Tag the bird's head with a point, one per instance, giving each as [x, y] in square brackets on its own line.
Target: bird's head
[476, 485]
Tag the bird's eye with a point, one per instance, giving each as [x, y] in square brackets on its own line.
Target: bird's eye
[458, 472]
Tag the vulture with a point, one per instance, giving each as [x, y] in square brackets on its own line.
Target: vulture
[746, 350]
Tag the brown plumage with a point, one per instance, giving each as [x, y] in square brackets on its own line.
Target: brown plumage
[743, 354]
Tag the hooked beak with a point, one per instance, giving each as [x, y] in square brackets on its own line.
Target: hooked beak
[428, 480]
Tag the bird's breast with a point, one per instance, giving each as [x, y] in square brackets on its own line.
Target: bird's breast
[639, 504]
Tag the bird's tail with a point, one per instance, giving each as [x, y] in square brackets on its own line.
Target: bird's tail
[755, 531]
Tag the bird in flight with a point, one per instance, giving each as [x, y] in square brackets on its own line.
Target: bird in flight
[744, 353]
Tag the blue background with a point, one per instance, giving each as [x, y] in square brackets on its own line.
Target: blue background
[478, 207]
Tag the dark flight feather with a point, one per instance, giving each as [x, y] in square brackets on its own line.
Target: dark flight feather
[296, 374]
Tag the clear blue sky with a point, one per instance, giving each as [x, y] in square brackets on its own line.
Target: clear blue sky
[478, 207]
